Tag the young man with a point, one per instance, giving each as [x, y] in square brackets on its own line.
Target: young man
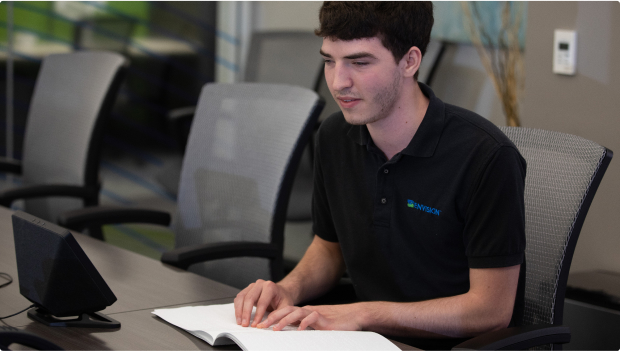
[421, 201]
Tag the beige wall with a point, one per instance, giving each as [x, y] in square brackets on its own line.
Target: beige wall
[587, 104]
[286, 15]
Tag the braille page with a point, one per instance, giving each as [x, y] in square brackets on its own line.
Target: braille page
[208, 323]
[309, 340]
[216, 325]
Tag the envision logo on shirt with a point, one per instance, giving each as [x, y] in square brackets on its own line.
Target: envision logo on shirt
[417, 206]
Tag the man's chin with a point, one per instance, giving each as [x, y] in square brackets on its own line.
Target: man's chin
[356, 120]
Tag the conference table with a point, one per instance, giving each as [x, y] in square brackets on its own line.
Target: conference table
[140, 284]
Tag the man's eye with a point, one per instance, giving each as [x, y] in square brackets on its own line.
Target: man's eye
[357, 63]
[327, 61]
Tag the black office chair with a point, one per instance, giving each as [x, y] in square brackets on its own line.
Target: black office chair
[244, 146]
[563, 174]
[8, 338]
[73, 95]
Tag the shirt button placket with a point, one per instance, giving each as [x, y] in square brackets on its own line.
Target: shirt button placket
[384, 200]
[381, 216]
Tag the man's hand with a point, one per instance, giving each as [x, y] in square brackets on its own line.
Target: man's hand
[316, 273]
[265, 295]
[336, 317]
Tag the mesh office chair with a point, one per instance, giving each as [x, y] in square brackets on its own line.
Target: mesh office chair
[244, 147]
[32, 341]
[281, 57]
[563, 174]
[73, 95]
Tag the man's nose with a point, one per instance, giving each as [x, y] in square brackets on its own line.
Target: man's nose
[341, 79]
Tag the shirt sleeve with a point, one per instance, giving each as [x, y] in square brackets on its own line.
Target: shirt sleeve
[322, 222]
[494, 233]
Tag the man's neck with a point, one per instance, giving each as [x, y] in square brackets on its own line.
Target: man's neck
[393, 133]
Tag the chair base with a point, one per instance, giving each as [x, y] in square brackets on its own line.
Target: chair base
[85, 320]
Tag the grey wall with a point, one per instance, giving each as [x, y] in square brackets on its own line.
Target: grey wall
[587, 104]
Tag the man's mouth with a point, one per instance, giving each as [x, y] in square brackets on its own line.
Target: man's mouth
[347, 99]
[348, 102]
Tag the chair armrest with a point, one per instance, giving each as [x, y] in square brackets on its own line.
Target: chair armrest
[86, 217]
[518, 338]
[9, 165]
[181, 113]
[184, 257]
[33, 191]
[27, 339]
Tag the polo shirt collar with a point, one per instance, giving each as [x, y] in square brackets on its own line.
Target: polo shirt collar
[426, 137]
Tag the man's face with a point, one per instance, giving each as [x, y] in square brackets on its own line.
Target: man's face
[362, 77]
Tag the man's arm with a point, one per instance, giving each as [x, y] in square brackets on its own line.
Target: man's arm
[486, 306]
[316, 273]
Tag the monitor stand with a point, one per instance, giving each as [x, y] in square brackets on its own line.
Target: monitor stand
[85, 320]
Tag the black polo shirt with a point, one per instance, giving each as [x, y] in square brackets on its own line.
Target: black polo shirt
[411, 227]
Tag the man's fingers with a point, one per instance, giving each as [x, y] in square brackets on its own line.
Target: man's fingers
[311, 319]
[249, 301]
[267, 294]
[276, 316]
[297, 315]
[262, 294]
[239, 303]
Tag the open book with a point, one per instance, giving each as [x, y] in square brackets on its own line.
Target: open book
[216, 325]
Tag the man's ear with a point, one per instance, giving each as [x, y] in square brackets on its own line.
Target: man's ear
[411, 61]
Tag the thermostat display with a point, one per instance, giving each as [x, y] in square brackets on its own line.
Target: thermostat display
[565, 52]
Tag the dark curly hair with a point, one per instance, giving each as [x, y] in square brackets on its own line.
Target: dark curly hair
[399, 25]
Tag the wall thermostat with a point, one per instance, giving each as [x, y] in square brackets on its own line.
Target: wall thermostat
[565, 52]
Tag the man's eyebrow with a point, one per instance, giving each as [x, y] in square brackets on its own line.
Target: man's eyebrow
[359, 55]
[354, 56]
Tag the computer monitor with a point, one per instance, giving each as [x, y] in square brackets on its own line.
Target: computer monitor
[55, 274]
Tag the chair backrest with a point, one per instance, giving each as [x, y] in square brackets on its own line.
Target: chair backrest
[563, 174]
[285, 57]
[72, 96]
[243, 149]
